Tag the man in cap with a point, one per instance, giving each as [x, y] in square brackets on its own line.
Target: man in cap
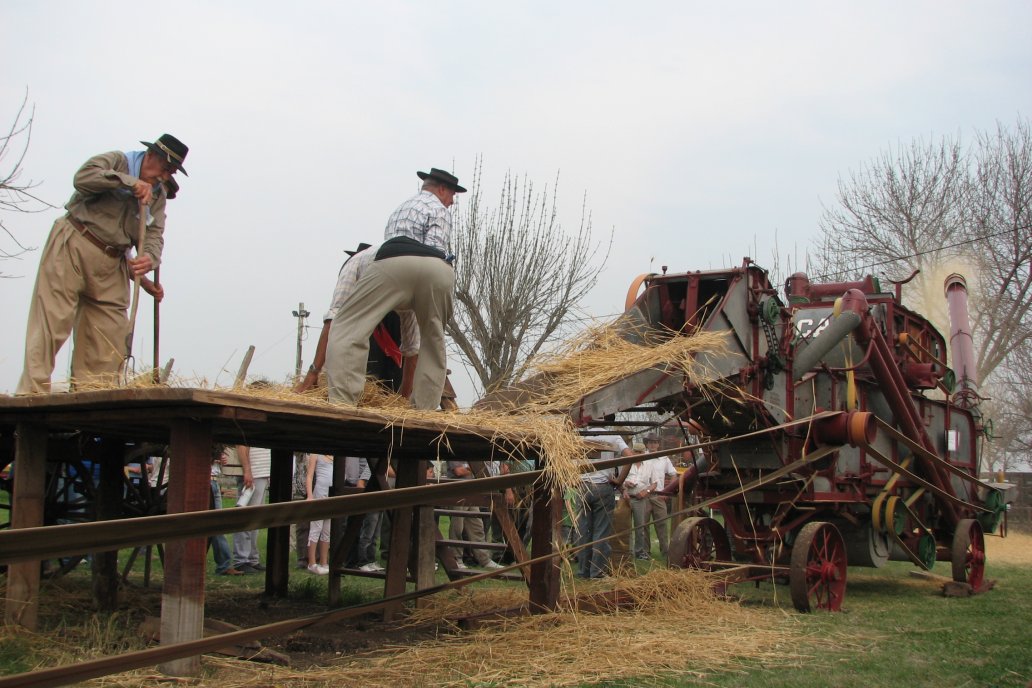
[411, 270]
[82, 288]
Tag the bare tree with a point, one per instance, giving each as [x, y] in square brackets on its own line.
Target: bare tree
[937, 208]
[16, 195]
[999, 198]
[1010, 407]
[518, 277]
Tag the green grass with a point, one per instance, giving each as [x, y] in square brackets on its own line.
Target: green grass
[897, 631]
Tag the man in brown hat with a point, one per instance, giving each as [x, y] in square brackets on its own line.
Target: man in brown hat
[82, 288]
[411, 271]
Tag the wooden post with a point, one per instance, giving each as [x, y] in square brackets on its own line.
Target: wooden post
[544, 575]
[277, 555]
[410, 473]
[189, 489]
[110, 490]
[333, 591]
[425, 554]
[30, 470]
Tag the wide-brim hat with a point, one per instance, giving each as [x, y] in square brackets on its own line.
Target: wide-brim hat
[171, 148]
[361, 247]
[446, 178]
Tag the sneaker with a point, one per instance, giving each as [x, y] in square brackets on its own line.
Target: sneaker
[231, 572]
[460, 565]
[245, 568]
[371, 567]
[257, 567]
[643, 557]
[491, 565]
[318, 570]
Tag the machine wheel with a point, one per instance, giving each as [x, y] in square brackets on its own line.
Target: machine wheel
[698, 540]
[969, 553]
[817, 574]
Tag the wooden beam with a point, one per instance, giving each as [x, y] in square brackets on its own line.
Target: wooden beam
[544, 575]
[30, 472]
[110, 491]
[277, 555]
[182, 600]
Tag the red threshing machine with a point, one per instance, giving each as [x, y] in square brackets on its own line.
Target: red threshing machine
[848, 439]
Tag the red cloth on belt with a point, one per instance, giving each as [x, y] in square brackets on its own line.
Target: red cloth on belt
[386, 342]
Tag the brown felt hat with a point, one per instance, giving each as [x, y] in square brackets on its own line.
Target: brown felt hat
[446, 178]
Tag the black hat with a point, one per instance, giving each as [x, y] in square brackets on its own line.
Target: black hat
[361, 247]
[446, 178]
[171, 148]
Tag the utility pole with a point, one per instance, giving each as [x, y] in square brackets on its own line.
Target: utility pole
[300, 314]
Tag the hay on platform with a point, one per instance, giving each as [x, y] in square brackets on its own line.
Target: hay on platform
[514, 436]
[603, 355]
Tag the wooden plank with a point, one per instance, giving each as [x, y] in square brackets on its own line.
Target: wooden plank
[544, 575]
[425, 555]
[182, 599]
[125, 412]
[512, 536]
[277, 555]
[22, 606]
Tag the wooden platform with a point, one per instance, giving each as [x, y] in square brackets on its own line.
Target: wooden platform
[147, 415]
[190, 421]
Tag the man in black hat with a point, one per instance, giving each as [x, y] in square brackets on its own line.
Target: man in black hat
[411, 271]
[82, 288]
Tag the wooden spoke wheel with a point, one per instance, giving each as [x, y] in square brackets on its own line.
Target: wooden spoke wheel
[817, 573]
[696, 541]
[969, 553]
[70, 498]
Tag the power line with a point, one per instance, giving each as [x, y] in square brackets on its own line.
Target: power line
[920, 253]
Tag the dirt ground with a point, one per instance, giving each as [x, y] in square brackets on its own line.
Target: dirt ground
[315, 645]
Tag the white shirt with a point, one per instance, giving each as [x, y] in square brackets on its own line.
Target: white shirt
[658, 469]
[617, 445]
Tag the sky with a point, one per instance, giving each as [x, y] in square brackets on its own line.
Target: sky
[696, 133]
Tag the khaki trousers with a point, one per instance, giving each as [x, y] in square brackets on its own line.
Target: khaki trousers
[82, 291]
[421, 284]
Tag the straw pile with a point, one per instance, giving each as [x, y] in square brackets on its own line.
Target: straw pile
[603, 355]
[676, 627]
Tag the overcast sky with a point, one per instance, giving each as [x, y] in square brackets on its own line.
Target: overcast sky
[699, 132]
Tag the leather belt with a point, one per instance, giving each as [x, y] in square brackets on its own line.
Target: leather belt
[112, 251]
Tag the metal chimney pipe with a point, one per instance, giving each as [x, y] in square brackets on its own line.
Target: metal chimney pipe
[962, 345]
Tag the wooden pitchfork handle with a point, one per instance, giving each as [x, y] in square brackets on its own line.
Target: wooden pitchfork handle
[157, 304]
[140, 236]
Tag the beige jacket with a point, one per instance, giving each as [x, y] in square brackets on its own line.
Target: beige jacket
[104, 203]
